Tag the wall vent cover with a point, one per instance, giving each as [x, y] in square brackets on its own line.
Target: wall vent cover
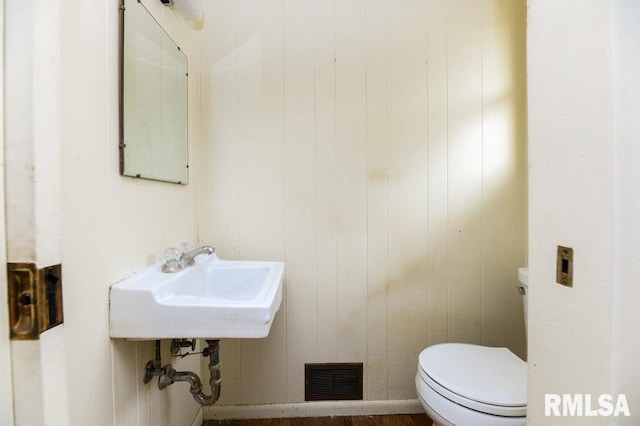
[337, 381]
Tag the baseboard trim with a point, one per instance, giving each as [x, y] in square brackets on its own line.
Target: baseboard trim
[312, 409]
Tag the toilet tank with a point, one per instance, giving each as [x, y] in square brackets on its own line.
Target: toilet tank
[523, 277]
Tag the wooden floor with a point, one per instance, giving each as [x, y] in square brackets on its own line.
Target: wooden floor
[395, 420]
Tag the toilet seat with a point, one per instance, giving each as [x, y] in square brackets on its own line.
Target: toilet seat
[484, 379]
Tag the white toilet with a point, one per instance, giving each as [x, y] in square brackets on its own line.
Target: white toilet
[470, 385]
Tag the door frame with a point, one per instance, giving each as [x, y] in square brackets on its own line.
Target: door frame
[6, 384]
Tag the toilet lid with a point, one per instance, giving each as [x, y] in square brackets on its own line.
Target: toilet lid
[486, 375]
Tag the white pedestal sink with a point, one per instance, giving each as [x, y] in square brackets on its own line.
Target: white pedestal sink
[212, 299]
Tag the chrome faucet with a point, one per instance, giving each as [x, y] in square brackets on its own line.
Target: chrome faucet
[187, 258]
[176, 262]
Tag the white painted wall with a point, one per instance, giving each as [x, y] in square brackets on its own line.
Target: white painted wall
[583, 64]
[112, 225]
[378, 148]
[69, 204]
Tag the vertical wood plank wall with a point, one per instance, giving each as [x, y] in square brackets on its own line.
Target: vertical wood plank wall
[378, 148]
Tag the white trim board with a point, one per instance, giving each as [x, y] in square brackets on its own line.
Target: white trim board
[313, 409]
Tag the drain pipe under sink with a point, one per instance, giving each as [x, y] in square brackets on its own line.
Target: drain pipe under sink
[167, 375]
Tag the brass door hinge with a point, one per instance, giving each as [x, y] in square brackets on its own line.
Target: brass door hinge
[35, 299]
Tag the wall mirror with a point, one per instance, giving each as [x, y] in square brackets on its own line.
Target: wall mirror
[153, 99]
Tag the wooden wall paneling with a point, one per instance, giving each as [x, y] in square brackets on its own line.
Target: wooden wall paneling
[145, 351]
[376, 385]
[407, 163]
[354, 140]
[125, 380]
[326, 181]
[300, 196]
[351, 177]
[465, 171]
[503, 172]
[437, 171]
[261, 182]
[219, 110]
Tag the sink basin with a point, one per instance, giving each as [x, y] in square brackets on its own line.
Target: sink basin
[212, 299]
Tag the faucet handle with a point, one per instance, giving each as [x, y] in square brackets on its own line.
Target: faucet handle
[172, 260]
[186, 247]
[172, 254]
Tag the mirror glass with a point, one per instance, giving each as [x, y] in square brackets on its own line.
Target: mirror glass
[153, 99]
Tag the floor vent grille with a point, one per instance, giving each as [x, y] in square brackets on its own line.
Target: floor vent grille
[337, 381]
